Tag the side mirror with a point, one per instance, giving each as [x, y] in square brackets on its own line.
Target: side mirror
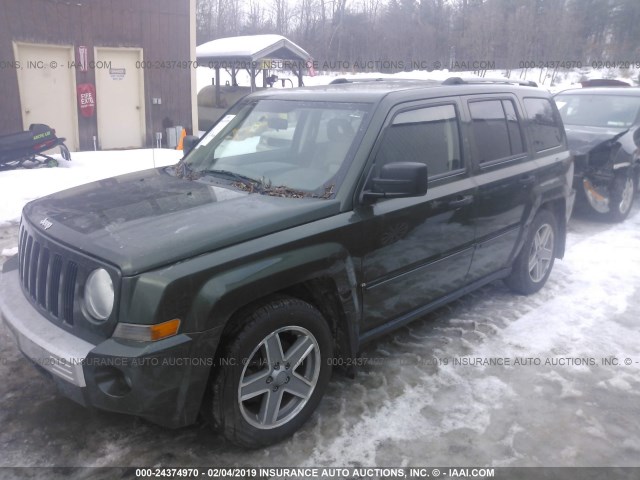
[398, 180]
[188, 143]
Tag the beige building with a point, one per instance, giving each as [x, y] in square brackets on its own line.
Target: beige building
[113, 73]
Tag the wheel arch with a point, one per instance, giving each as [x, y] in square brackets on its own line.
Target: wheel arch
[558, 208]
[323, 276]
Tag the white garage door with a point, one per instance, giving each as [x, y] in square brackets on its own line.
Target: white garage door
[48, 89]
[120, 98]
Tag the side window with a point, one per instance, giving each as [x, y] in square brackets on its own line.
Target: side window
[427, 135]
[496, 129]
[515, 133]
[544, 125]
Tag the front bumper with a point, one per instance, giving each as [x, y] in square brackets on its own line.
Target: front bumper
[163, 381]
[52, 348]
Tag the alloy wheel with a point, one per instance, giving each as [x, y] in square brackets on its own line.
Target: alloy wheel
[541, 253]
[627, 196]
[279, 377]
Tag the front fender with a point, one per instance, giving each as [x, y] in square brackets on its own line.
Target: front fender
[222, 295]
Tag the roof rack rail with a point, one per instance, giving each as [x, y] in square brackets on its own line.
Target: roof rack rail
[381, 79]
[354, 80]
[480, 80]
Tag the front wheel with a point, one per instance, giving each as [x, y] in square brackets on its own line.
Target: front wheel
[623, 190]
[533, 265]
[612, 201]
[271, 374]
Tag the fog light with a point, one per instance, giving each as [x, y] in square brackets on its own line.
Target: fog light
[112, 381]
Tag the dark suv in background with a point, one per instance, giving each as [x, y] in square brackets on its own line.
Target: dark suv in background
[603, 130]
[305, 223]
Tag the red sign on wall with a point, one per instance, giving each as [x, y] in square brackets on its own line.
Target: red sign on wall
[87, 99]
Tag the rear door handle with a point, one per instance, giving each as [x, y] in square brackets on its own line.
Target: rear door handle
[461, 201]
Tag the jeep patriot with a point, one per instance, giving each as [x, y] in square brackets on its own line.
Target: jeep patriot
[303, 224]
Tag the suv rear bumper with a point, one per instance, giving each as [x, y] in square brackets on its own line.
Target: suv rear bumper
[163, 381]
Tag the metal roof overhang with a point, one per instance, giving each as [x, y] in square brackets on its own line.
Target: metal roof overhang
[251, 48]
[251, 52]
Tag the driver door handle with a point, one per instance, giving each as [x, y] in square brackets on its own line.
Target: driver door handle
[461, 201]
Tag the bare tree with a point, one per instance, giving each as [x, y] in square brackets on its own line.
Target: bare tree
[509, 33]
[255, 17]
[281, 15]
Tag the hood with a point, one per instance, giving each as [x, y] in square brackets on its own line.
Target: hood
[582, 140]
[148, 219]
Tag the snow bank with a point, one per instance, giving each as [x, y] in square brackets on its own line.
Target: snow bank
[23, 185]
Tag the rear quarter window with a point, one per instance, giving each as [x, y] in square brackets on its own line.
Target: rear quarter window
[543, 123]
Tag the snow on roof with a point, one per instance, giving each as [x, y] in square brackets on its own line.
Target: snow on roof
[251, 48]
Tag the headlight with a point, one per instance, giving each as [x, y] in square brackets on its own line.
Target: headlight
[98, 294]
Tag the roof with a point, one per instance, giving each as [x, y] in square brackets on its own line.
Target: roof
[621, 91]
[603, 82]
[251, 48]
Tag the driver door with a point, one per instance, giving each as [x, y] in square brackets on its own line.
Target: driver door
[418, 249]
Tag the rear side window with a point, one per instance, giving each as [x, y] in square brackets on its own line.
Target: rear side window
[496, 129]
[544, 125]
[427, 135]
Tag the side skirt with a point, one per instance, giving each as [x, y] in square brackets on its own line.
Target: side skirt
[423, 310]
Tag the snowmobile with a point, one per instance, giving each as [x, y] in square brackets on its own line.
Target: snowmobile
[25, 149]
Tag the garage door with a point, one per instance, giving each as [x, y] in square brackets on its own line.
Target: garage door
[47, 89]
[120, 98]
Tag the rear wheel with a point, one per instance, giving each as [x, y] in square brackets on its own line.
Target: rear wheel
[271, 374]
[534, 263]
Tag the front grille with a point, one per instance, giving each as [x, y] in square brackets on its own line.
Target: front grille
[48, 276]
[53, 276]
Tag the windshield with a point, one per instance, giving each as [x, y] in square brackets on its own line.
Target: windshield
[612, 111]
[282, 145]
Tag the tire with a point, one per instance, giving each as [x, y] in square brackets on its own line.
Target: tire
[534, 263]
[623, 190]
[279, 355]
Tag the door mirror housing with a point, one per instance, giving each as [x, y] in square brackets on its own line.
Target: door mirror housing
[277, 123]
[398, 180]
[188, 143]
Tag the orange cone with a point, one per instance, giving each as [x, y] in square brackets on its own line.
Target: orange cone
[181, 141]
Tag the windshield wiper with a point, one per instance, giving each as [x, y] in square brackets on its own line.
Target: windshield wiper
[264, 186]
[247, 181]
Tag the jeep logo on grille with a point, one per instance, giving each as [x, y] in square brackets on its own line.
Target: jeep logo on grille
[45, 223]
